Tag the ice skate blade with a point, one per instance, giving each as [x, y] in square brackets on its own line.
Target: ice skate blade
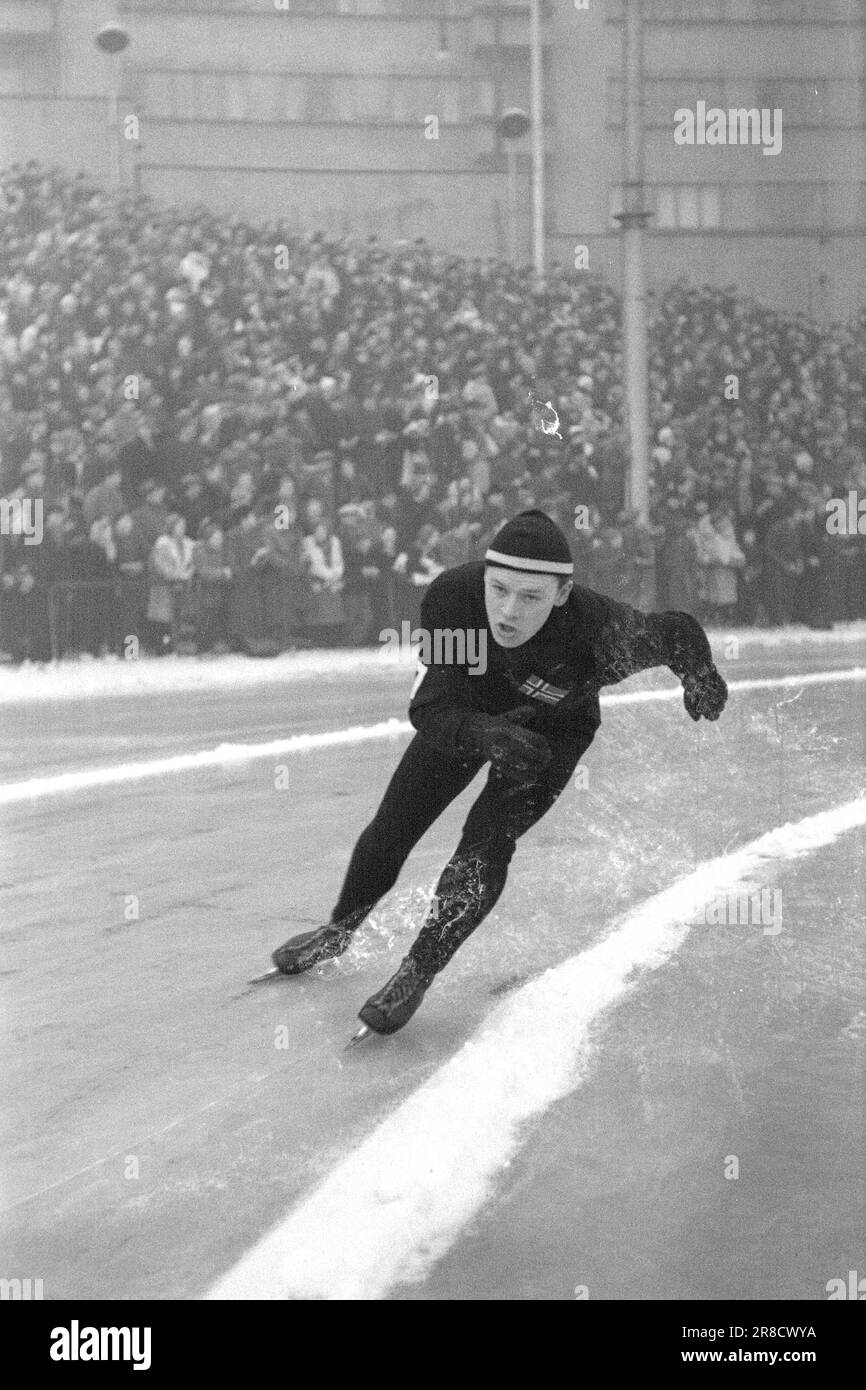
[362, 1033]
[268, 975]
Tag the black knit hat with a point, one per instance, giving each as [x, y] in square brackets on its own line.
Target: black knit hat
[533, 544]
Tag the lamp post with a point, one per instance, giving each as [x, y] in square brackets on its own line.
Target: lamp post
[537, 105]
[112, 39]
[512, 125]
[633, 220]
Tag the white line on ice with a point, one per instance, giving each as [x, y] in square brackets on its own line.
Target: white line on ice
[395, 1205]
[228, 753]
[222, 756]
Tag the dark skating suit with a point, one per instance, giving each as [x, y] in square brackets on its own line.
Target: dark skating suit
[589, 642]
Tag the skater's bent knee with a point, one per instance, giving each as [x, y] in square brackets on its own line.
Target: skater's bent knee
[499, 842]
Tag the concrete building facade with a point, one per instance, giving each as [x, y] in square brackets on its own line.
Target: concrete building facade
[379, 117]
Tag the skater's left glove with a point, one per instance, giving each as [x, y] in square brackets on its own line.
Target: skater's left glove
[705, 694]
[516, 753]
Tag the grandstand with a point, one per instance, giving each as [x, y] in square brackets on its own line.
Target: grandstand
[244, 436]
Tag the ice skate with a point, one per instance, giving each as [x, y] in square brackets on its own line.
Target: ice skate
[362, 1033]
[310, 948]
[396, 1002]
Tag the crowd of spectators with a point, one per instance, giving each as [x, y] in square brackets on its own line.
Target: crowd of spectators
[242, 438]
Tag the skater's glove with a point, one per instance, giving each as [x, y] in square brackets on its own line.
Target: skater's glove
[516, 753]
[705, 695]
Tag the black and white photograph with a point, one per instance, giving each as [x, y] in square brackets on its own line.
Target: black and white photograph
[432, 660]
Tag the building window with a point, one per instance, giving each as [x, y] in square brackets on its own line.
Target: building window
[801, 103]
[266, 96]
[159, 100]
[777, 207]
[668, 11]
[235, 108]
[414, 99]
[320, 99]
[421, 9]
[763, 208]
[374, 99]
[847, 206]
[11, 80]
[687, 207]
[203, 95]
[790, 11]
[292, 99]
[710, 206]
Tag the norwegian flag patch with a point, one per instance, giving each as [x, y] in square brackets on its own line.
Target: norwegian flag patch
[537, 689]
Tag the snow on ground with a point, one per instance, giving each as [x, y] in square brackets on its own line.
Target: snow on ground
[110, 676]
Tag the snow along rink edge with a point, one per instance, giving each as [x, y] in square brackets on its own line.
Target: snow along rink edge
[391, 1209]
[112, 677]
[234, 754]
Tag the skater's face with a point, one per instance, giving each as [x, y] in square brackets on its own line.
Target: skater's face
[518, 605]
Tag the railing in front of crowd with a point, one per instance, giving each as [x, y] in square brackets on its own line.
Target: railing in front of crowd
[123, 595]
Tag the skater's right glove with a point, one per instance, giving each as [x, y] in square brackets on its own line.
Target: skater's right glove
[516, 753]
[705, 694]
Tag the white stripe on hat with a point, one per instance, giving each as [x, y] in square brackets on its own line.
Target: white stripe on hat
[520, 562]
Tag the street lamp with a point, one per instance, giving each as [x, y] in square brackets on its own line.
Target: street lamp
[512, 125]
[537, 104]
[112, 39]
[633, 220]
